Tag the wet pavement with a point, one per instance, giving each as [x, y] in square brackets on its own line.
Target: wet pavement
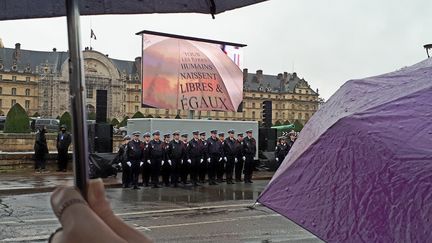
[223, 213]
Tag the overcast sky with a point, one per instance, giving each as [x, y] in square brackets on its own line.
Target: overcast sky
[327, 41]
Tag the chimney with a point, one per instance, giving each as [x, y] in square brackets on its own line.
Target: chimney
[259, 74]
[285, 76]
[17, 46]
[294, 75]
[54, 49]
[245, 74]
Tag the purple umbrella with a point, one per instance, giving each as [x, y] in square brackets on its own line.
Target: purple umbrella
[361, 170]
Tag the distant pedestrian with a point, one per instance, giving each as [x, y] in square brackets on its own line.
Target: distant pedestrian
[135, 152]
[124, 163]
[64, 140]
[250, 151]
[281, 150]
[41, 150]
[239, 157]
[229, 146]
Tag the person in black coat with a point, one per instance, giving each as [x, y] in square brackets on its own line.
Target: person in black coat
[215, 153]
[185, 165]
[40, 149]
[250, 151]
[64, 140]
[203, 161]
[175, 154]
[194, 152]
[156, 154]
[135, 153]
[124, 163]
[239, 157]
[281, 150]
[229, 146]
[146, 167]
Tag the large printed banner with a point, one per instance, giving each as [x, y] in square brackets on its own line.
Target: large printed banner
[188, 74]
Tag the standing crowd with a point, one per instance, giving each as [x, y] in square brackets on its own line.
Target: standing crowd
[283, 146]
[181, 161]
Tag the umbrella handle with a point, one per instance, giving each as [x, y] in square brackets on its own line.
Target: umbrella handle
[77, 91]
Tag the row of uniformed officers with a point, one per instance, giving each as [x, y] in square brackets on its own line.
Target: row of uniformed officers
[179, 158]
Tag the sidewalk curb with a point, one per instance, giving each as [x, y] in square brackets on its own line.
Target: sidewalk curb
[32, 190]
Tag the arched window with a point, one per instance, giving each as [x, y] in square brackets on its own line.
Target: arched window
[253, 114]
[136, 98]
[293, 106]
[300, 116]
[1, 90]
[27, 92]
[13, 91]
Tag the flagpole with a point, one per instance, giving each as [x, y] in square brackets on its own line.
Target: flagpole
[91, 33]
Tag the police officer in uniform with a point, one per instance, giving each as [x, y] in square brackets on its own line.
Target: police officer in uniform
[146, 167]
[249, 150]
[175, 154]
[124, 163]
[281, 150]
[215, 151]
[135, 152]
[239, 157]
[203, 161]
[166, 164]
[229, 146]
[194, 150]
[220, 170]
[185, 160]
[292, 139]
[157, 155]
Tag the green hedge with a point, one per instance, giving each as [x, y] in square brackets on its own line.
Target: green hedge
[66, 119]
[17, 120]
[138, 114]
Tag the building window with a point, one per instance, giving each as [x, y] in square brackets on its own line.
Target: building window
[300, 97]
[13, 91]
[300, 91]
[1, 90]
[300, 116]
[307, 91]
[307, 116]
[124, 108]
[27, 104]
[253, 104]
[1, 77]
[269, 96]
[136, 98]
[45, 93]
[136, 108]
[1, 103]
[27, 79]
[283, 115]
[136, 87]
[90, 93]
[27, 92]
[253, 114]
[13, 102]
[314, 107]
[293, 106]
[277, 115]
[45, 105]
[13, 78]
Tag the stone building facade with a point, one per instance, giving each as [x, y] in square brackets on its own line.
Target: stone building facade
[38, 80]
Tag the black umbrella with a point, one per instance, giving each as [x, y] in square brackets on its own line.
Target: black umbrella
[26, 9]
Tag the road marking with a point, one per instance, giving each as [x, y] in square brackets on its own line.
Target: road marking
[139, 213]
[207, 222]
[148, 228]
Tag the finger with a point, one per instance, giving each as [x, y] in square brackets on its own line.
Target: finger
[79, 222]
[100, 205]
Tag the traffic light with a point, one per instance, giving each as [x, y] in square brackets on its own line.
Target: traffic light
[267, 113]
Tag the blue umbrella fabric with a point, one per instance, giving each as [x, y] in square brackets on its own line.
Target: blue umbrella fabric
[361, 170]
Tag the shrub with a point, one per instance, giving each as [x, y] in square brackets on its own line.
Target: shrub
[298, 126]
[115, 122]
[17, 120]
[138, 114]
[91, 116]
[66, 119]
[123, 123]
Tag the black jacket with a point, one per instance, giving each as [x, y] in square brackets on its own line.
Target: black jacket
[281, 151]
[156, 150]
[40, 146]
[195, 148]
[229, 147]
[64, 140]
[214, 147]
[175, 150]
[135, 151]
[249, 146]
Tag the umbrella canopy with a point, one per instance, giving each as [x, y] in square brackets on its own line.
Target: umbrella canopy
[25, 9]
[361, 170]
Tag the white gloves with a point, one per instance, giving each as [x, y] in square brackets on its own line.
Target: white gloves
[235, 160]
[148, 161]
[244, 158]
[208, 160]
[189, 161]
[220, 159]
[169, 162]
[201, 161]
[226, 159]
[129, 163]
[141, 163]
[277, 159]
[119, 164]
[163, 162]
